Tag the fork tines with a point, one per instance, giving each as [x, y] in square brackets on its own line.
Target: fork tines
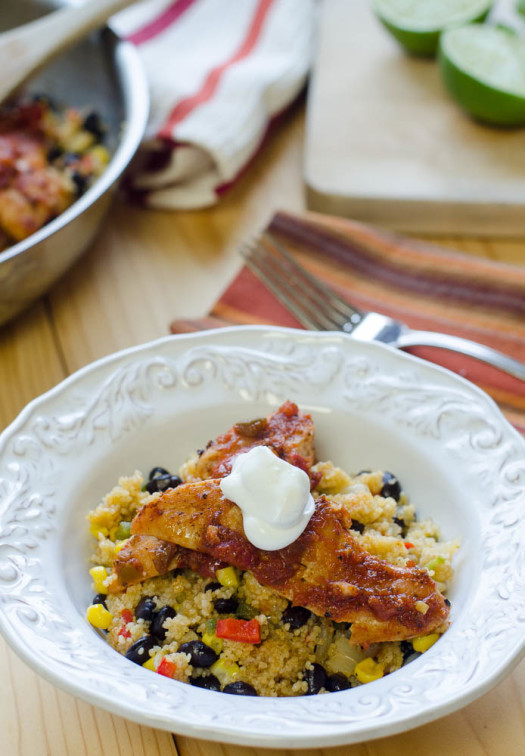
[309, 300]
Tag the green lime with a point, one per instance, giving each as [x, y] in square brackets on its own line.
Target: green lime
[483, 68]
[417, 24]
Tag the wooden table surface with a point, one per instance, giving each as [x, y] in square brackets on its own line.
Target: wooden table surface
[145, 269]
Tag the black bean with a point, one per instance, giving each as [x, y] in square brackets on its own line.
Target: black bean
[54, 152]
[201, 655]
[391, 486]
[162, 483]
[447, 602]
[226, 605]
[209, 682]
[315, 678]
[240, 688]
[93, 124]
[145, 609]
[80, 182]
[158, 472]
[213, 587]
[296, 616]
[167, 612]
[399, 521]
[357, 526]
[139, 651]
[100, 598]
[337, 682]
[406, 649]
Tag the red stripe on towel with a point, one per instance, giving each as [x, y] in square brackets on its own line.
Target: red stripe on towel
[188, 104]
[166, 19]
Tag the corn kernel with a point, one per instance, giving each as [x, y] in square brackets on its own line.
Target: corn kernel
[368, 670]
[225, 672]
[100, 154]
[99, 574]
[150, 664]
[423, 643]
[120, 545]
[97, 531]
[211, 640]
[98, 616]
[228, 577]
[80, 141]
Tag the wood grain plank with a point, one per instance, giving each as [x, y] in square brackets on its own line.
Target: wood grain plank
[492, 726]
[38, 719]
[29, 361]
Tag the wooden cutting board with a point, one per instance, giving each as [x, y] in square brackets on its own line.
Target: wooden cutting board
[385, 144]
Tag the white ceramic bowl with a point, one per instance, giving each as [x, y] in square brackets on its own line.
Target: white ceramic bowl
[457, 457]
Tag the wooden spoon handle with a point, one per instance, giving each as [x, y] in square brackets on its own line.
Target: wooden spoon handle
[25, 49]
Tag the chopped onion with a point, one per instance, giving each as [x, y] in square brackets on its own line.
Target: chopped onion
[344, 656]
[325, 640]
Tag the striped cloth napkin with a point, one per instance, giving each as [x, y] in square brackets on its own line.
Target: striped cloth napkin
[220, 72]
[424, 286]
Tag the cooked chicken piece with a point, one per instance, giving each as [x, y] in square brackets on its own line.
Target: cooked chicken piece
[288, 432]
[144, 557]
[140, 558]
[31, 191]
[324, 570]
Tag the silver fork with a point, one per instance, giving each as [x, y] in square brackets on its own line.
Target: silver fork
[318, 308]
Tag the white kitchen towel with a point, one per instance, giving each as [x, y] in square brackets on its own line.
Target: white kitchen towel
[219, 72]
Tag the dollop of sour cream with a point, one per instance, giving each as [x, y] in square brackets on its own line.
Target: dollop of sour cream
[274, 497]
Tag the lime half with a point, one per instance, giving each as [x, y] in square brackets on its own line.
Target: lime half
[483, 68]
[417, 24]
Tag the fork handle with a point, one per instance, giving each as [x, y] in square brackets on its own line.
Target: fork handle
[463, 346]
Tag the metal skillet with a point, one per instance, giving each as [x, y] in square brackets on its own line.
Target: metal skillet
[104, 73]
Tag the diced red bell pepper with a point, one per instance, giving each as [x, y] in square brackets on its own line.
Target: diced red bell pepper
[409, 545]
[126, 615]
[242, 631]
[166, 667]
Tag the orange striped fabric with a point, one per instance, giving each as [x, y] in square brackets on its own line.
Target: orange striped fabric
[424, 286]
